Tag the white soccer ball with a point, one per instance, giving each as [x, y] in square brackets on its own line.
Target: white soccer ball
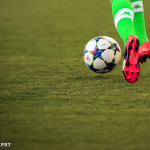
[102, 54]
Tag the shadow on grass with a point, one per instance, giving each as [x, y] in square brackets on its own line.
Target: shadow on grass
[112, 78]
[85, 78]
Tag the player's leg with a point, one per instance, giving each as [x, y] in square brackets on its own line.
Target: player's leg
[123, 18]
[140, 30]
[139, 21]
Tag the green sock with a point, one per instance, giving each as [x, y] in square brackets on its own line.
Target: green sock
[123, 18]
[139, 21]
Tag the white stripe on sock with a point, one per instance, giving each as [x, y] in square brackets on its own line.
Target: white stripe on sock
[122, 14]
[137, 6]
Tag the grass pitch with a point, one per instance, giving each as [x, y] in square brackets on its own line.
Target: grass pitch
[49, 99]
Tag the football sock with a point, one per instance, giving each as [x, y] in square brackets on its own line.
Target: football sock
[123, 17]
[139, 21]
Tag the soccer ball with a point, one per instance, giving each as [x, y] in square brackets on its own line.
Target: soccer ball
[102, 54]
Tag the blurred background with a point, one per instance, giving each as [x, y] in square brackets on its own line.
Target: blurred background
[48, 97]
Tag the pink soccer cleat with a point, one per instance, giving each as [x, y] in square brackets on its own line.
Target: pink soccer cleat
[144, 51]
[131, 69]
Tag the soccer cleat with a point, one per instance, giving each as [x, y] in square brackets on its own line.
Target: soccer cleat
[144, 51]
[131, 69]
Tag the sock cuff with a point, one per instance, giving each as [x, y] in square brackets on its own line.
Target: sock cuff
[123, 13]
[137, 6]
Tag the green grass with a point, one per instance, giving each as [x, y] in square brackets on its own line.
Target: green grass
[49, 99]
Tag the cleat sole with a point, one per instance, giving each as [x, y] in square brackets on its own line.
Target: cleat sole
[131, 69]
